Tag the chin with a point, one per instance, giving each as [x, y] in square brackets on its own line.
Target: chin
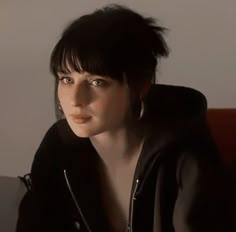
[81, 132]
[81, 135]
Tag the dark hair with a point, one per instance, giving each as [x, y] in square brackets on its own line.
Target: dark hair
[111, 41]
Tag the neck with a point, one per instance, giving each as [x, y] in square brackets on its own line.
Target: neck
[119, 146]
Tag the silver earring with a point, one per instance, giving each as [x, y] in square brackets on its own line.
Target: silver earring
[59, 107]
[141, 110]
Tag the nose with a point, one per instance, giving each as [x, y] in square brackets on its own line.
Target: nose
[79, 96]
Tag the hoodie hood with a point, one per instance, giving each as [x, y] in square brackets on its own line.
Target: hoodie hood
[171, 113]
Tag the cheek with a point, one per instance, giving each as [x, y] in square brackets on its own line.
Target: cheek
[63, 97]
[114, 107]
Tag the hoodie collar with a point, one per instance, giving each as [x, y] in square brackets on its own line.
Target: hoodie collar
[171, 112]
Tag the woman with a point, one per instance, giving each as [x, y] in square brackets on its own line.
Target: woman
[126, 154]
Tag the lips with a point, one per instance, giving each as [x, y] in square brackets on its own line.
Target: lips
[80, 118]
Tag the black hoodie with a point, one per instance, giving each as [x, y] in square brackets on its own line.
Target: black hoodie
[179, 183]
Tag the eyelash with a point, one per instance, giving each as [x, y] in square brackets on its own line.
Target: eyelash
[63, 79]
[98, 80]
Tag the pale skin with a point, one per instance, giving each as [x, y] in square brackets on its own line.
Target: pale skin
[116, 136]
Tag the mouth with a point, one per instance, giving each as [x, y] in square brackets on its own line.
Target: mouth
[80, 118]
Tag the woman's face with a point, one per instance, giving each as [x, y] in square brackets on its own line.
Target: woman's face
[93, 104]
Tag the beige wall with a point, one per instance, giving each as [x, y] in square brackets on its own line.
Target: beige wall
[202, 38]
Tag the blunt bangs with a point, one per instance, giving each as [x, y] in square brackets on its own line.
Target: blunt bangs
[71, 54]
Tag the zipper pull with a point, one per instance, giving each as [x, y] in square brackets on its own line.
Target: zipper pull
[128, 229]
[77, 225]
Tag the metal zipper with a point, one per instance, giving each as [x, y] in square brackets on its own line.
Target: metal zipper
[76, 203]
[130, 226]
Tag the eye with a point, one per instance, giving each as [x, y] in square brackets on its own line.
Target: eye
[98, 82]
[66, 80]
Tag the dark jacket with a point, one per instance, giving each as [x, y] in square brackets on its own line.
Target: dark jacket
[181, 183]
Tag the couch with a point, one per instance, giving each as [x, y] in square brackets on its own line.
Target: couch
[12, 189]
[222, 123]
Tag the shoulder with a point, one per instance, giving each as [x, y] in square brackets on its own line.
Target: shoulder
[178, 100]
[52, 152]
[175, 109]
[49, 150]
[60, 134]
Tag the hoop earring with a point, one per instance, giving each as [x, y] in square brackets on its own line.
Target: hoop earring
[141, 110]
[59, 107]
